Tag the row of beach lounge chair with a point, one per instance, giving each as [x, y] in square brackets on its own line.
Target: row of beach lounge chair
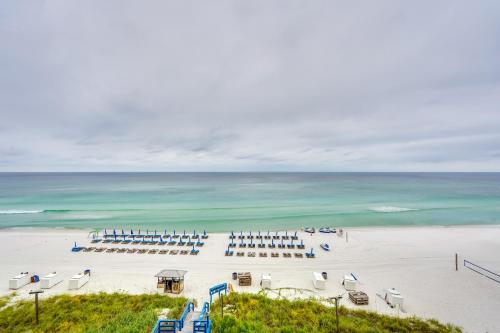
[268, 235]
[151, 234]
[271, 245]
[193, 251]
[229, 253]
[144, 241]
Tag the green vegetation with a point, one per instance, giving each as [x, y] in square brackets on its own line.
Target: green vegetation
[4, 300]
[258, 313]
[90, 313]
[243, 313]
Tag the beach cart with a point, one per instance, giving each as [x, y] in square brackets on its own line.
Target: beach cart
[349, 282]
[50, 280]
[19, 281]
[265, 281]
[318, 280]
[393, 298]
[79, 280]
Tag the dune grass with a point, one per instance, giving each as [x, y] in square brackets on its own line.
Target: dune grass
[258, 313]
[90, 313]
[243, 313]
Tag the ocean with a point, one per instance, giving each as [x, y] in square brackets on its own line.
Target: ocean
[256, 201]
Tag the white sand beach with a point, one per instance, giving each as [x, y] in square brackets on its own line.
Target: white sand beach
[417, 261]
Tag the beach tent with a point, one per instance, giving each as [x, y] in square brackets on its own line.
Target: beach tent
[170, 281]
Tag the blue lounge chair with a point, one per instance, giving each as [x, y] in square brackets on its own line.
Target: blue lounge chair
[205, 235]
[172, 241]
[194, 251]
[310, 254]
[228, 252]
[262, 245]
[125, 240]
[286, 235]
[95, 239]
[281, 245]
[76, 248]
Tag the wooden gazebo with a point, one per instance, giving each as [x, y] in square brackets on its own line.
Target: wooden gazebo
[170, 281]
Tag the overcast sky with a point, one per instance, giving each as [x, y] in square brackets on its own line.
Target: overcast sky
[249, 85]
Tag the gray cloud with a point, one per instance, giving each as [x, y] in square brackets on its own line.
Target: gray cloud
[261, 85]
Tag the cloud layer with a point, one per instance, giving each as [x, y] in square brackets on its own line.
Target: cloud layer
[261, 85]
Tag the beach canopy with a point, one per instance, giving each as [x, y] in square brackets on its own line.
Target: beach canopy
[171, 273]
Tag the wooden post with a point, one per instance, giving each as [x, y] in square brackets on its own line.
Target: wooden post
[337, 313]
[456, 261]
[222, 305]
[36, 303]
[336, 299]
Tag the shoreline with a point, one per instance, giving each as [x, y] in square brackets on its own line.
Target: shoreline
[416, 260]
[353, 228]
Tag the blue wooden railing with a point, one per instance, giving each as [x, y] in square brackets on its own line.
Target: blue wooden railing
[188, 308]
[202, 324]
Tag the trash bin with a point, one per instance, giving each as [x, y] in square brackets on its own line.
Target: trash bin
[325, 276]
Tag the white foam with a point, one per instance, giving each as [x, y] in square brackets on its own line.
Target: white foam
[391, 209]
[17, 211]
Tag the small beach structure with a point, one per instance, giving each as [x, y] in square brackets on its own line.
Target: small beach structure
[265, 281]
[393, 298]
[170, 281]
[244, 279]
[318, 280]
[79, 280]
[19, 281]
[349, 282]
[358, 297]
[50, 280]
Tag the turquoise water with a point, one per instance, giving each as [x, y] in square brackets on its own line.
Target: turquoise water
[227, 201]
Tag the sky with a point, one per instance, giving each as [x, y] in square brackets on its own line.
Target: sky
[249, 85]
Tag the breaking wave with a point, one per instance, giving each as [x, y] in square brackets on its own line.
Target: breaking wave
[392, 209]
[19, 211]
